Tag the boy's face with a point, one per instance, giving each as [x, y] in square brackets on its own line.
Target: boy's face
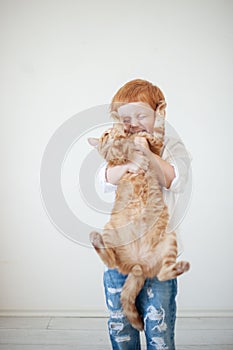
[137, 116]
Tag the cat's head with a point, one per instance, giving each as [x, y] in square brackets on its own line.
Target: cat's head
[108, 138]
[115, 132]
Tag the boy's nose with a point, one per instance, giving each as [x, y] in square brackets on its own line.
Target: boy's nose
[134, 121]
[135, 128]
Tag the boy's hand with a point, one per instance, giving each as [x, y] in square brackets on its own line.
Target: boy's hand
[142, 145]
[132, 168]
[139, 163]
[141, 141]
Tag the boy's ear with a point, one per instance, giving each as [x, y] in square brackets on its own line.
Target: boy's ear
[161, 108]
[93, 141]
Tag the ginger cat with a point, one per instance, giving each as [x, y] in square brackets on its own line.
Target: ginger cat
[135, 240]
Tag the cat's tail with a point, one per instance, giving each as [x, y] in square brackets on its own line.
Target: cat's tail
[131, 289]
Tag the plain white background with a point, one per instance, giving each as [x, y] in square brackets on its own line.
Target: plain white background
[61, 57]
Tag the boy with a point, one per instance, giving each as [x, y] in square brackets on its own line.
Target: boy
[135, 104]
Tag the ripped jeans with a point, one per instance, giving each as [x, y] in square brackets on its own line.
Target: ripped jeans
[156, 304]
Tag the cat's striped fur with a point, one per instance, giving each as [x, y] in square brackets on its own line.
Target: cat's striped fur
[135, 240]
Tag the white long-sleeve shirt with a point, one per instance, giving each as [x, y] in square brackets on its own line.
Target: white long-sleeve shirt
[178, 195]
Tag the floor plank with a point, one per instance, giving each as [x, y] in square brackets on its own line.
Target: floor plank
[72, 337]
[201, 347]
[72, 333]
[53, 337]
[204, 323]
[78, 323]
[204, 337]
[53, 347]
[24, 322]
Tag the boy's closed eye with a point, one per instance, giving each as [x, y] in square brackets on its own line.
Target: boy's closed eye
[141, 117]
[127, 120]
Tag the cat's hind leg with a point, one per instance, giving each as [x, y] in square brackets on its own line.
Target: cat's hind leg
[170, 271]
[106, 254]
[170, 267]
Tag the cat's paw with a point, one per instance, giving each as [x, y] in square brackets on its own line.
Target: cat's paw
[140, 161]
[96, 240]
[182, 266]
[173, 270]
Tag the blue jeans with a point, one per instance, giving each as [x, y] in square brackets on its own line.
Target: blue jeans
[156, 304]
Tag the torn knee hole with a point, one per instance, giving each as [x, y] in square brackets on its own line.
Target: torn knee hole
[116, 326]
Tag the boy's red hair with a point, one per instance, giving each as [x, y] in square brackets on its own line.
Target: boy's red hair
[137, 90]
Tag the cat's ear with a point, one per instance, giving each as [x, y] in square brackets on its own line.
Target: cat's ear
[93, 141]
[115, 116]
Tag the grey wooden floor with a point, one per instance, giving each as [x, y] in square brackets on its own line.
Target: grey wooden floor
[75, 333]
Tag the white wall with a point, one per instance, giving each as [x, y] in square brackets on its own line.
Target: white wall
[61, 57]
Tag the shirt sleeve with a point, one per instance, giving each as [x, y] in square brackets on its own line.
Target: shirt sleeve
[107, 187]
[177, 155]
